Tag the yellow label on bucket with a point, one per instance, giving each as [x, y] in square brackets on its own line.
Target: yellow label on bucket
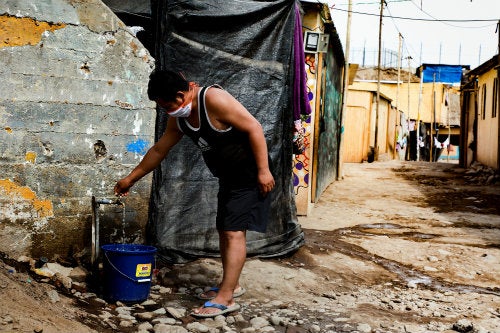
[143, 270]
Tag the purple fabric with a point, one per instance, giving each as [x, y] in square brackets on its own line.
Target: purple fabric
[300, 97]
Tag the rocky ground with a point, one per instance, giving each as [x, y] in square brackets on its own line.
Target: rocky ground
[393, 247]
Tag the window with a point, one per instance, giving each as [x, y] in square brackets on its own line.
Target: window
[483, 103]
[494, 104]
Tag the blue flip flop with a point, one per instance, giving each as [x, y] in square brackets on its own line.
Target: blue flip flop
[223, 310]
[240, 291]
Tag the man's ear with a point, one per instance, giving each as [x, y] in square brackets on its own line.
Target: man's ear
[180, 94]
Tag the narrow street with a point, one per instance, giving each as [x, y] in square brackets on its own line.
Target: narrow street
[414, 246]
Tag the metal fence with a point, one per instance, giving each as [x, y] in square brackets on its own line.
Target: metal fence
[368, 58]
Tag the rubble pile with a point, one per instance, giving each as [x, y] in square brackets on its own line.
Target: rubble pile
[482, 175]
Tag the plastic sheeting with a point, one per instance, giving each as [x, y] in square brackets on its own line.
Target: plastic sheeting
[450, 74]
[246, 47]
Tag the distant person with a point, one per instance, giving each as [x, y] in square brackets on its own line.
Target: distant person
[234, 149]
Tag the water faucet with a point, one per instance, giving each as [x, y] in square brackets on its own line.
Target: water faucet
[95, 223]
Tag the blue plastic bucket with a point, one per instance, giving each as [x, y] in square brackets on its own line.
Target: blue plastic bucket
[128, 270]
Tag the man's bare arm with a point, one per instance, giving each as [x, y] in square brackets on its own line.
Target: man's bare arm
[152, 159]
[226, 109]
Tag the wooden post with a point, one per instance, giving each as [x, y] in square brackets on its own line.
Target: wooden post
[418, 109]
[340, 163]
[498, 96]
[377, 106]
[408, 120]
[398, 122]
[317, 117]
[433, 124]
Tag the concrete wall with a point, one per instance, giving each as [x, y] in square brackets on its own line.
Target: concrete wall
[74, 118]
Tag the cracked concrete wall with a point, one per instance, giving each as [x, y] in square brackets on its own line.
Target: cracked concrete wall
[74, 118]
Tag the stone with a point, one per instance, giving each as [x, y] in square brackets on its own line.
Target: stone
[364, 328]
[197, 327]
[164, 320]
[176, 312]
[463, 326]
[275, 320]
[78, 274]
[145, 316]
[148, 302]
[53, 296]
[259, 322]
[146, 326]
[57, 268]
[126, 323]
[160, 311]
[61, 280]
[163, 328]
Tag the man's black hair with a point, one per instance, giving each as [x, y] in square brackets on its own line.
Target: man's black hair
[165, 84]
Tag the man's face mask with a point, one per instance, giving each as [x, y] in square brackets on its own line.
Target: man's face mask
[184, 110]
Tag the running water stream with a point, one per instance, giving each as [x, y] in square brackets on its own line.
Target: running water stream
[121, 202]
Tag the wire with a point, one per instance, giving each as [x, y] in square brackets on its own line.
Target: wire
[397, 29]
[372, 3]
[417, 19]
[451, 25]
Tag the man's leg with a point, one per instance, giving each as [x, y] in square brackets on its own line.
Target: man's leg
[233, 254]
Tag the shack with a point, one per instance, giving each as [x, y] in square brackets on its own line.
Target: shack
[480, 140]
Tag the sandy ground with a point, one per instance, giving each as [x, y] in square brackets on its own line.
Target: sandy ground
[394, 246]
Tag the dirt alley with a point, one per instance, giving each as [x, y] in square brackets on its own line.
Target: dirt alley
[395, 246]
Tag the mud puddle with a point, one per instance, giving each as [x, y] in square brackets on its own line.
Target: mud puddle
[324, 242]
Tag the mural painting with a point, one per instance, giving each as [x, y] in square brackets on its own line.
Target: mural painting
[302, 162]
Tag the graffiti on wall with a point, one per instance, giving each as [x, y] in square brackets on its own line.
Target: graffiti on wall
[302, 162]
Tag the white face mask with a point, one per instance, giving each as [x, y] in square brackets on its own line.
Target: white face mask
[184, 110]
[181, 112]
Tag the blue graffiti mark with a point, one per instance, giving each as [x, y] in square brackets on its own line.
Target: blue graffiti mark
[139, 146]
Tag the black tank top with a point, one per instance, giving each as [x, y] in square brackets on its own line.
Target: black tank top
[227, 153]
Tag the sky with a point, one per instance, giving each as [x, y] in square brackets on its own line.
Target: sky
[471, 40]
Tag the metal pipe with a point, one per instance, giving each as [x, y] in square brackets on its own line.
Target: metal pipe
[95, 224]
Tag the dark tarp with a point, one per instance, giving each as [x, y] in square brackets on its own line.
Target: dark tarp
[245, 46]
[134, 7]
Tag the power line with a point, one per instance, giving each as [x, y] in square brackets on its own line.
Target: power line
[372, 3]
[451, 25]
[418, 19]
[397, 29]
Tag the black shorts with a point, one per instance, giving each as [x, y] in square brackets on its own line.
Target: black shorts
[242, 209]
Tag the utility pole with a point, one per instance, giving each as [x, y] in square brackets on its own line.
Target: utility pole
[433, 124]
[479, 59]
[340, 169]
[364, 51]
[420, 59]
[498, 95]
[460, 53]
[418, 110]
[397, 84]
[408, 150]
[378, 78]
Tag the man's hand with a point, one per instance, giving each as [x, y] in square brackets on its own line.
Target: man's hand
[122, 187]
[266, 181]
